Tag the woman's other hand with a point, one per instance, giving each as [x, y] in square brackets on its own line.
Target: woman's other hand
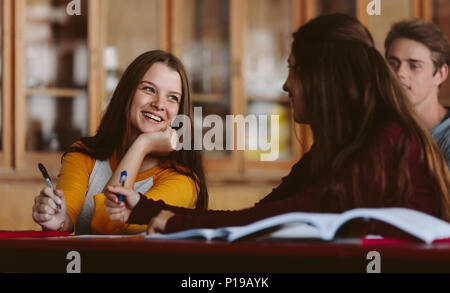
[158, 223]
[120, 211]
[49, 209]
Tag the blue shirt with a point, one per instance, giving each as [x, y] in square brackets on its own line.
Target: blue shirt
[441, 133]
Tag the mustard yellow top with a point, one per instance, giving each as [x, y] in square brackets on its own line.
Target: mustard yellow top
[168, 185]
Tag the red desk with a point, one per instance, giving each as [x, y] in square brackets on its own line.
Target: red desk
[140, 255]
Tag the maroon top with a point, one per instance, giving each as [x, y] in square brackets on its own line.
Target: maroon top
[291, 196]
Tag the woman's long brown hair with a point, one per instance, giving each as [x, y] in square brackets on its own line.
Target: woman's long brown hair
[114, 131]
[350, 92]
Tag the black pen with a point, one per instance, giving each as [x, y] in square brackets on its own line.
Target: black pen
[48, 180]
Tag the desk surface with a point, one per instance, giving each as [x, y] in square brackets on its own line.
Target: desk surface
[195, 256]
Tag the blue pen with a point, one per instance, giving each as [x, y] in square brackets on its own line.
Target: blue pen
[47, 179]
[123, 177]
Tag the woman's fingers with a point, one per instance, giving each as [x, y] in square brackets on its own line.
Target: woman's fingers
[111, 198]
[41, 200]
[150, 230]
[113, 203]
[131, 196]
[47, 192]
[45, 209]
[110, 195]
[115, 217]
[158, 224]
[110, 210]
[116, 212]
[44, 205]
[118, 216]
[60, 194]
[120, 190]
[41, 217]
[173, 139]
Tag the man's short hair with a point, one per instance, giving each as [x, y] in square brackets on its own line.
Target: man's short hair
[424, 32]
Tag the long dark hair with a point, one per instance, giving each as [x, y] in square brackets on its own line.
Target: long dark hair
[114, 131]
[349, 92]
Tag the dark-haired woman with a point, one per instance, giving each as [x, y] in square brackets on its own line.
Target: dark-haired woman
[135, 135]
[369, 150]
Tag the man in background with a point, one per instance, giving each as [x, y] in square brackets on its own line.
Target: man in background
[419, 53]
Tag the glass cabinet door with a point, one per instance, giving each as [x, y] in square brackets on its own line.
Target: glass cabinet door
[132, 27]
[333, 6]
[392, 11]
[56, 74]
[268, 34]
[201, 39]
[6, 77]
[1, 79]
[236, 54]
[52, 80]
[441, 17]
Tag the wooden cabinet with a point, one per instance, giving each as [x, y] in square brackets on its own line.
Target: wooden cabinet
[66, 67]
[51, 81]
[441, 16]
[58, 70]
[128, 29]
[236, 56]
[5, 84]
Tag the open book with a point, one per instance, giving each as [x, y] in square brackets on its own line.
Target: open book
[324, 225]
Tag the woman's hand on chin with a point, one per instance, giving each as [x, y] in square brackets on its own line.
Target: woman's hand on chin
[160, 143]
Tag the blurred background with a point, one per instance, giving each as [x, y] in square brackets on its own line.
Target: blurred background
[58, 72]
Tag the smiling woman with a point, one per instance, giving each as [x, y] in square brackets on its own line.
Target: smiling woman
[134, 136]
[157, 100]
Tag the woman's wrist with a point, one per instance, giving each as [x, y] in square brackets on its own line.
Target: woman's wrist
[67, 224]
[143, 145]
[62, 226]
